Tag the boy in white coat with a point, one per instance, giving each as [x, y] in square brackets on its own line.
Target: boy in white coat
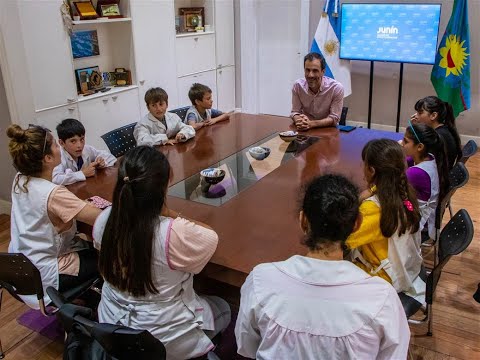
[79, 160]
[160, 127]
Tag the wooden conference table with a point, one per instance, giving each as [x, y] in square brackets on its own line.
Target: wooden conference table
[260, 224]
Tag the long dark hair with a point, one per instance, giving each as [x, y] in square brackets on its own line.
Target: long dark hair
[387, 159]
[126, 255]
[445, 116]
[433, 144]
[331, 206]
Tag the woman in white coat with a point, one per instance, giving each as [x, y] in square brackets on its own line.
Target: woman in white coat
[319, 306]
[43, 225]
[148, 257]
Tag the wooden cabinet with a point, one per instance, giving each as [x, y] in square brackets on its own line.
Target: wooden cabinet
[195, 53]
[225, 89]
[206, 78]
[52, 117]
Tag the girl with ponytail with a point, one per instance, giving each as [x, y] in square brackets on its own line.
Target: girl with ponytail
[428, 170]
[148, 256]
[438, 114]
[387, 244]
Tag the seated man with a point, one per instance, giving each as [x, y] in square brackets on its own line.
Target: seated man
[317, 100]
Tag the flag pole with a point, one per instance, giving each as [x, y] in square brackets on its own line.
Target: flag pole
[370, 91]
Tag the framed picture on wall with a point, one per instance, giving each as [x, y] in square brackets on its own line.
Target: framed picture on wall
[192, 18]
[84, 43]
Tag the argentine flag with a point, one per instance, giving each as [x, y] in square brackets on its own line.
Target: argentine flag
[327, 43]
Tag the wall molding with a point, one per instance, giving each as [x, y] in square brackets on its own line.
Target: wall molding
[5, 207]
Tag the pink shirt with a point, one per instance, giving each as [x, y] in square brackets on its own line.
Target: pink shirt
[327, 102]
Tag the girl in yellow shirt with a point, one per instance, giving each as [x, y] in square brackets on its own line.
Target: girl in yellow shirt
[387, 243]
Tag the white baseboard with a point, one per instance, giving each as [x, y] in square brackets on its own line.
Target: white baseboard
[5, 207]
[463, 138]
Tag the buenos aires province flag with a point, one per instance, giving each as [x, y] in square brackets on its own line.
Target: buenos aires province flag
[327, 43]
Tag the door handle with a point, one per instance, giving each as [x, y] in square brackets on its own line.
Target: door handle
[105, 101]
[71, 109]
[115, 98]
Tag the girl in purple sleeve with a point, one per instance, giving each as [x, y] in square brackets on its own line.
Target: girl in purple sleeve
[428, 170]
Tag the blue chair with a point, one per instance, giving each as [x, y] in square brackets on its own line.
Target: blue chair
[468, 151]
[120, 140]
[181, 112]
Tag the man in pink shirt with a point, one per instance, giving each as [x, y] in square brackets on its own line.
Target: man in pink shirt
[317, 100]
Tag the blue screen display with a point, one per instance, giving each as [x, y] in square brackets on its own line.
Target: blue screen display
[390, 32]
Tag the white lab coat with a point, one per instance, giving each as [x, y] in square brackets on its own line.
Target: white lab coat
[150, 131]
[67, 172]
[429, 207]
[305, 308]
[34, 235]
[176, 315]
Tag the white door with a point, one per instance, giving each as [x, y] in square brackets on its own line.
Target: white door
[207, 78]
[224, 38]
[225, 89]
[51, 118]
[280, 53]
[49, 55]
[153, 26]
[195, 53]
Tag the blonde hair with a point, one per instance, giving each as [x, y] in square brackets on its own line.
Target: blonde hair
[27, 149]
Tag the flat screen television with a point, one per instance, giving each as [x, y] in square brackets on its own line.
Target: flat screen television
[406, 33]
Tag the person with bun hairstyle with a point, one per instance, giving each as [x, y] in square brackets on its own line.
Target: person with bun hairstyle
[43, 217]
[387, 244]
[438, 114]
[427, 171]
[320, 306]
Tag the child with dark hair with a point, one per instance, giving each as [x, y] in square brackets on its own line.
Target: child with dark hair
[313, 306]
[438, 114]
[428, 170]
[148, 257]
[201, 113]
[388, 242]
[43, 217]
[160, 127]
[79, 160]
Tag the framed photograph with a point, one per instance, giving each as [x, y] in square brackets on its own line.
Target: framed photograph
[84, 44]
[85, 10]
[89, 79]
[110, 11]
[192, 18]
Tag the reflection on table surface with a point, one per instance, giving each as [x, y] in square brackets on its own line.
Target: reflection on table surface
[241, 170]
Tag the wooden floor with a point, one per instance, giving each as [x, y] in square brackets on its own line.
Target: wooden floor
[456, 325]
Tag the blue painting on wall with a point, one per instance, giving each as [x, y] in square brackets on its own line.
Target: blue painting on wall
[84, 44]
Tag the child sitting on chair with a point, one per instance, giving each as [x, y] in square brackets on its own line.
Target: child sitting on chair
[160, 127]
[201, 113]
[79, 160]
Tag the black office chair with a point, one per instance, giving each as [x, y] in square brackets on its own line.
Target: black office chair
[96, 340]
[343, 116]
[468, 151]
[181, 112]
[120, 140]
[20, 277]
[454, 238]
[458, 177]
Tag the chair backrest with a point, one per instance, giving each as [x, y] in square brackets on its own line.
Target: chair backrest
[454, 238]
[118, 341]
[468, 150]
[458, 177]
[181, 112]
[19, 276]
[343, 116]
[120, 140]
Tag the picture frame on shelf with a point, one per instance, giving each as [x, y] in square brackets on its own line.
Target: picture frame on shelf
[192, 18]
[123, 77]
[84, 44]
[111, 11]
[89, 80]
[85, 10]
